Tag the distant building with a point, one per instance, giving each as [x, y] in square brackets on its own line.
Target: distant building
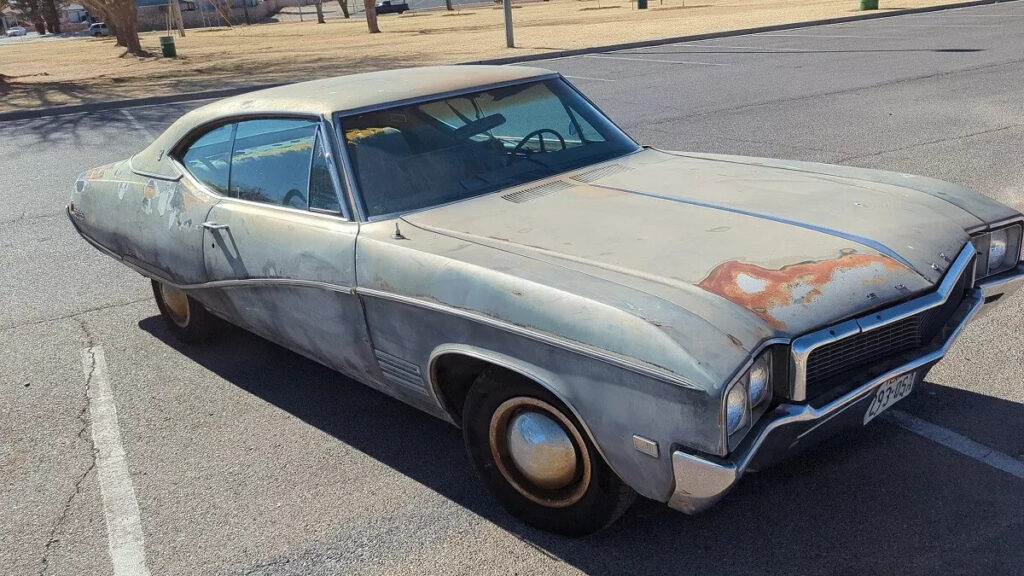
[152, 14]
[74, 14]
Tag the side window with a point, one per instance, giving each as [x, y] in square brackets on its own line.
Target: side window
[208, 158]
[321, 186]
[271, 161]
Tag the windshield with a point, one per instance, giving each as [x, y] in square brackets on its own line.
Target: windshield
[412, 157]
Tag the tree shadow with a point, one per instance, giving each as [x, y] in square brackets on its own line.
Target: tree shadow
[874, 500]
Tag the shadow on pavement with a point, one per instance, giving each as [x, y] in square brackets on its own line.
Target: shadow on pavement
[875, 500]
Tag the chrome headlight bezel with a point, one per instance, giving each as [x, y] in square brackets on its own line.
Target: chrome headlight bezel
[736, 428]
[983, 245]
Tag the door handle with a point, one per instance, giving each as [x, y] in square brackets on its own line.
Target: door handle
[214, 226]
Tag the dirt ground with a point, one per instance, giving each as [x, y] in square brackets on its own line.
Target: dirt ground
[56, 72]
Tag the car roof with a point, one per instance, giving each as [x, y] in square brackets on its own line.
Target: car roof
[333, 95]
[373, 89]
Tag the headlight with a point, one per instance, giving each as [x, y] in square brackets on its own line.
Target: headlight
[736, 407]
[998, 250]
[749, 395]
[759, 381]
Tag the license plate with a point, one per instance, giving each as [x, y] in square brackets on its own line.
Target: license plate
[890, 392]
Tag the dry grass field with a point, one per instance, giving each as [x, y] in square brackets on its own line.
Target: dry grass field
[55, 72]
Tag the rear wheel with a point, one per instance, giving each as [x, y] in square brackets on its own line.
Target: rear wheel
[536, 460]
[185, 316]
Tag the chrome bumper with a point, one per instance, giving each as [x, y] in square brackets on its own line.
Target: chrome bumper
[998, 288]
[700, 481]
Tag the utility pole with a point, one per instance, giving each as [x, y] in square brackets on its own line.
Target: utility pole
[178, 18]
[510, 37]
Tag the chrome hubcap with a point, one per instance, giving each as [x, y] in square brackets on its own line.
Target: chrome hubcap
[539, 452]
[176, 304]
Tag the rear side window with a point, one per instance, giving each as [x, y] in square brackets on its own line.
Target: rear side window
[271, 161]
[209, 158]
[280, 161]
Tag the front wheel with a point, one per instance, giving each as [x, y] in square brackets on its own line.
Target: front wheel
[535, 458]
[185, 316]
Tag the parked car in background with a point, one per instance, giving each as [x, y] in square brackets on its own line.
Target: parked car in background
[99, 29]
[389, 7]
[600, 318]
[16, 31]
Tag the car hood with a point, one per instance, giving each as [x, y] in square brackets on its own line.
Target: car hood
[796, 250]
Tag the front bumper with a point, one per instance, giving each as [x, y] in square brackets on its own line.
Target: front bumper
[700, 481]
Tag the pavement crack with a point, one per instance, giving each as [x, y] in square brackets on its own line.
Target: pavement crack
[25, 217]
[928, 143]
[83, 417]
[74, 315]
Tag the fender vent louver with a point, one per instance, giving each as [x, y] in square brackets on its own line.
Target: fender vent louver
[400, 373]
[537, 191]
[602, 172]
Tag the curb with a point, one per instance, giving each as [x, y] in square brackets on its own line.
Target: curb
[224, 93]
[130, 103]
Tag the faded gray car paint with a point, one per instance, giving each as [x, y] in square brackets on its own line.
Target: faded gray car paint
[635, 290]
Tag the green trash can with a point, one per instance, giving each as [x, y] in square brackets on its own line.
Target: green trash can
[869, 4]
[167, 47]
[641, 4]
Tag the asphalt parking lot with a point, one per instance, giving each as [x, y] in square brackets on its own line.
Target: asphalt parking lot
[247, 459]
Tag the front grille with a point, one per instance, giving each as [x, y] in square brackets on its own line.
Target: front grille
[828, 364]
[861, 350]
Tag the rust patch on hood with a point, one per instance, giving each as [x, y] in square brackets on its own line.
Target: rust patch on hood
[763, 290]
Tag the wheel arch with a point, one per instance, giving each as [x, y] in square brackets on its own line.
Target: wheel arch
[452, 398]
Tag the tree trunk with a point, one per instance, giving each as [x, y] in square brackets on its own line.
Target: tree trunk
[128, 25]
[40, 27]
[448, 4]
[51, 15]
[245, 9]
[371, 16]
[344, 7]
[320, 12]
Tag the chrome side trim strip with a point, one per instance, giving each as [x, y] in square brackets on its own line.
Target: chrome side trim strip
[563, 343]
[804, 345]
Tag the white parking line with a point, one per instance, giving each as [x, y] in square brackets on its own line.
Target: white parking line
[822, 36]
[603, 57]
[120, 508]
[958, 443]
[750, 48]
[587, 78]
[138, 125]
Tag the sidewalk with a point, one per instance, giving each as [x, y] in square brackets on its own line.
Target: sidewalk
[43, 74]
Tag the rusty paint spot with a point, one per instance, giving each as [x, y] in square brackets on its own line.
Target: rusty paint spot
[736, 342]
[761, 290]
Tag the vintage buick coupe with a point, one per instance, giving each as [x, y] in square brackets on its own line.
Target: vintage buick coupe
[600, 318]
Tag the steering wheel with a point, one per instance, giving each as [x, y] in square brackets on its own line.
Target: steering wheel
[291, 195]
[539, 133]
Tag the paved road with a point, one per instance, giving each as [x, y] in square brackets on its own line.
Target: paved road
[246, 458]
